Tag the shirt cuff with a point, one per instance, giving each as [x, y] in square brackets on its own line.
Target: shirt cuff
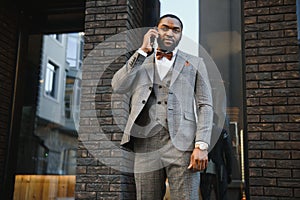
[201, 145]
[143, 53]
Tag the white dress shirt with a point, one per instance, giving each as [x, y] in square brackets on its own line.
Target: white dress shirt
[163, 65]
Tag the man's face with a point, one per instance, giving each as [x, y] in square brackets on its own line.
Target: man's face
[170, 33]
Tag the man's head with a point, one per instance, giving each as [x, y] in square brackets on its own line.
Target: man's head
[170, 32]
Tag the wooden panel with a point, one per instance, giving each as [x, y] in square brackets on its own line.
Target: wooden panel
[28, 187]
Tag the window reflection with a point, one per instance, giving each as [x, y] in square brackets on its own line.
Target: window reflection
[50, 79]
[48, 138]
[220, 34]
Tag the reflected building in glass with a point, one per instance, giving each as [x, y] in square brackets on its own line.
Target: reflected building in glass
[48, 136]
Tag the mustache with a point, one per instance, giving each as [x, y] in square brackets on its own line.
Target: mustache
[167, 39]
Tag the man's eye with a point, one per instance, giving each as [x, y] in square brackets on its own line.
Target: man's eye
[165, 28]
[176, 30]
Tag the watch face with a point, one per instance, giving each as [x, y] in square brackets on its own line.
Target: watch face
[203, 146]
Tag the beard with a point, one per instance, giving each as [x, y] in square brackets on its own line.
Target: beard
[165, 47]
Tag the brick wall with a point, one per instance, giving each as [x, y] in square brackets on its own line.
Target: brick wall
[8, 46]
[94, 179]
[273, 98]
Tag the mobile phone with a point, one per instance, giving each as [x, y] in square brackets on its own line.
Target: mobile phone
[153, 40]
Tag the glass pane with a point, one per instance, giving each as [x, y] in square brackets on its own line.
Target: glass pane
[220, 35]
[50, 79]
[48, 138]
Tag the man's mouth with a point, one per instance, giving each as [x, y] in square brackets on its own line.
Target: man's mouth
[168, 41]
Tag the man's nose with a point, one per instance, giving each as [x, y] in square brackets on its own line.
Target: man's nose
[170, 33]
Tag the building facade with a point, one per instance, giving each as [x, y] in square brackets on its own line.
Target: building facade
[268, 102]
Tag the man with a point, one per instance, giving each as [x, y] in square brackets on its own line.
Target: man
[170, 117]
[217, 175]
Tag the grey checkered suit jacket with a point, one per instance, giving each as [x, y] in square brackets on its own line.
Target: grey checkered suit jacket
[190, 112]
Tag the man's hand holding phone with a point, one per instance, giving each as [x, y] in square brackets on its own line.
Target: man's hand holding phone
[149, 40]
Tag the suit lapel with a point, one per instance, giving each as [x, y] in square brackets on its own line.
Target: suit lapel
[178, 65]
[149, 66]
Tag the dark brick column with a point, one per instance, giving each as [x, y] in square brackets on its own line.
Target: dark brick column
[8, 52]
[273, 99]
[94, 179]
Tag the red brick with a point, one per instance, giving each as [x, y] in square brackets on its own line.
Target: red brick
[273, 84]
[250, 4]
[286, 75]
[253, 118]
[270, 34]
[293, 100]
[277, 173]
[260, 110]
[262, 181]
[288, 164]
[274, 118]
[256, 11]
[276, 154]
[257, 190]
[292, 145]
[256, 27]
[296, 155]
[254, 135]
[259, 43]
[287, 92]
[258, 76]
[271, 50]
[270, 18]
[283, 25]
[265, 3]
[259, 93]
[273, 136]
[284, 192]
[290, 17]
[260, 144]
[283, 9]
[272, 67]
[251, 36]
[251, 68]
[283, 42]
[254, 154]
[252, 101]
[255, 172]
[285, 182]
[287, 109]
[252, 84]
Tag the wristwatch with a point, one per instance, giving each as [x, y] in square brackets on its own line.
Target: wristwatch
[202, 146]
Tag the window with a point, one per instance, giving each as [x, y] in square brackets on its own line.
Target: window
[57, 37]
[68, 97]
[51, 79]
[74, 50]
[48, 137]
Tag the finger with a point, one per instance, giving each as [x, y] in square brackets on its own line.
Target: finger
[202, 165]
[192, 164]
[197, 165]
[153, 33]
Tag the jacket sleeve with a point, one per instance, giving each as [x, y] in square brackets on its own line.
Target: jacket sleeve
[204, 103]
[123, 80]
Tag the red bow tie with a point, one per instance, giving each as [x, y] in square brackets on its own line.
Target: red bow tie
[160, 55]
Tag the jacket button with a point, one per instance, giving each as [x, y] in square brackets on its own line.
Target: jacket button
[158, 102]
[150, 88]
[143, 101]
[160, 86]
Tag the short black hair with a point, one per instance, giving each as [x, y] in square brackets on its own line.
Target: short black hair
[171, 16]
